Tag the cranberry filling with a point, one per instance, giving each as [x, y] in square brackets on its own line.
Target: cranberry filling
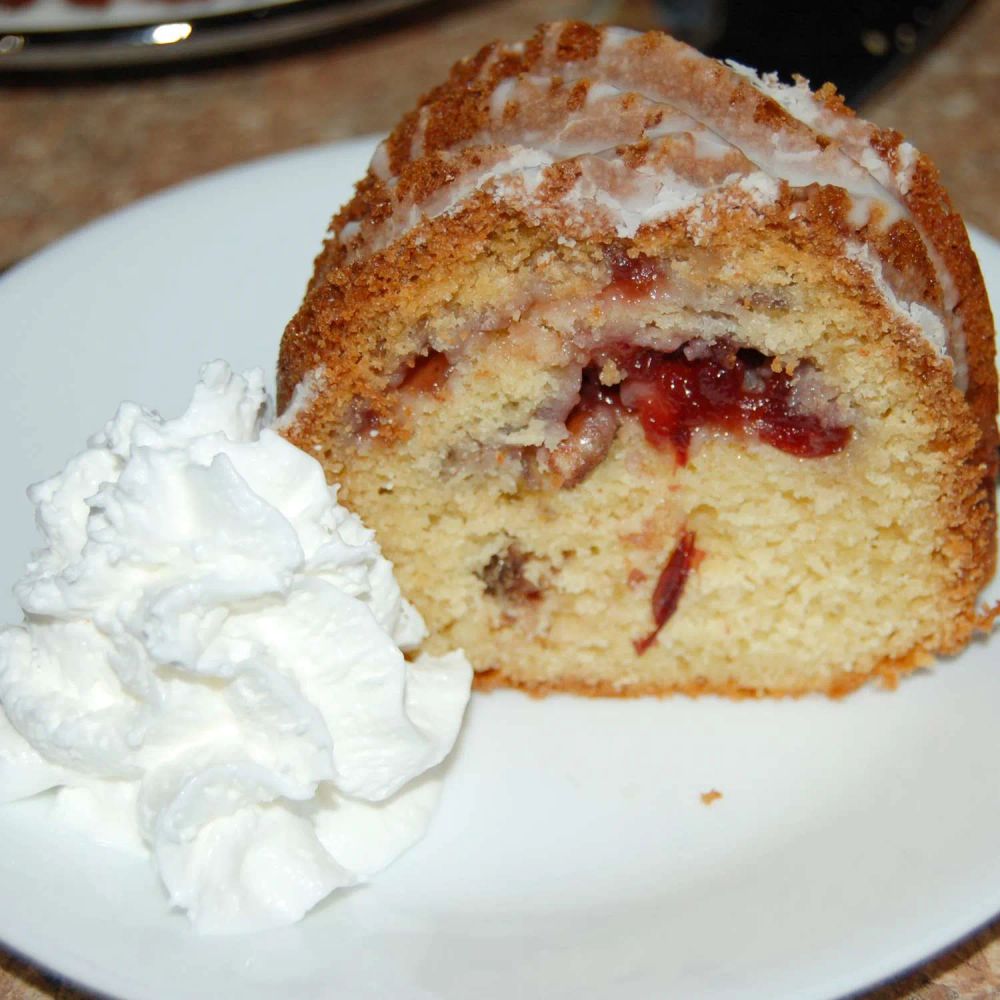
[737, 390]
[428, 373]
[632, 278]
[673, 395]
[669, 588]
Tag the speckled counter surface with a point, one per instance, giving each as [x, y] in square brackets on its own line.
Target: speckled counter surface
[75, 150]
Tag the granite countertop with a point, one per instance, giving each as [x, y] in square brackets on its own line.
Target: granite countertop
[76, 149]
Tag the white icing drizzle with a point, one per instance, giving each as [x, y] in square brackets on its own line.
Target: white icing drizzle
[700, 146]
[854, 136]
[309, 387]
[924, 322]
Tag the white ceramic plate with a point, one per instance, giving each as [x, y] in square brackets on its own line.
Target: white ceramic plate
[57, 34]
[63, 15]
[572, 855]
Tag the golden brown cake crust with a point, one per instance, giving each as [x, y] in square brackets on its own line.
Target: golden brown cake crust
[887, 672]
[393, 251]
[459, 108]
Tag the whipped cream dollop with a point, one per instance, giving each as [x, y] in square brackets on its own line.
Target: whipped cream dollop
[211, 666]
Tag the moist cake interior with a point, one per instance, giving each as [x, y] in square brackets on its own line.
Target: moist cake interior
[696, 429]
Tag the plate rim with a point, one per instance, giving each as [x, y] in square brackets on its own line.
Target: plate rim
[38, 50]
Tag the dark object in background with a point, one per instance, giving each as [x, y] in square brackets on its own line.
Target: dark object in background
[858, 46]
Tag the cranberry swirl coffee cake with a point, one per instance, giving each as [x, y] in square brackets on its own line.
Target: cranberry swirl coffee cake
[655, 375]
